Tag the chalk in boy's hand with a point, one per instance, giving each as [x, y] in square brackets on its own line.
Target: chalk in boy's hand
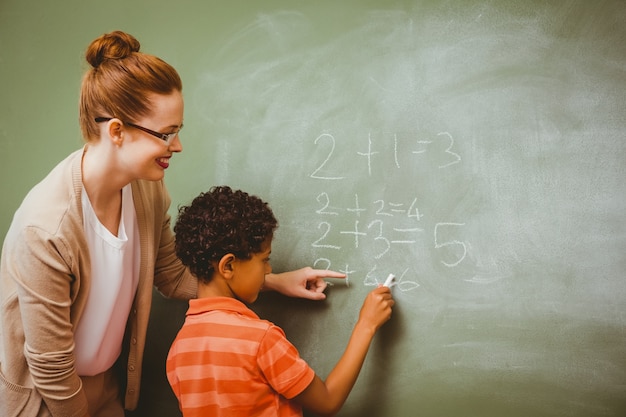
[390, 281]
[376, 309]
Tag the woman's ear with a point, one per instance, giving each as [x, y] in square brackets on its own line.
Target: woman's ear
[115, 129]
[225, 267]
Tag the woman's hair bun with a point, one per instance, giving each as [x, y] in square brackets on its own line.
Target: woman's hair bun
[114, 45]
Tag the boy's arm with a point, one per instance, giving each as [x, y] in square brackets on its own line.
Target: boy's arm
[327, 397]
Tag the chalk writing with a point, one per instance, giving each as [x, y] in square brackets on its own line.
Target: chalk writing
[368, 154]
[357, 209]
[456, 158]
[371, 277]
[325, 226]
[324, 261]
[424, 146]
[330, 153]
[405, 284]
[380, 208]
[382, 225]
[439, 245]
[324, 199]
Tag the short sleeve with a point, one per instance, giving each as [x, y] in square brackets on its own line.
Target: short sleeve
[281, 364]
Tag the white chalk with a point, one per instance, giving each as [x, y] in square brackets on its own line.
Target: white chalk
[389, 280]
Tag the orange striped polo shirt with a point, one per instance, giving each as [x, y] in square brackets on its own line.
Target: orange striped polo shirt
[226, 361]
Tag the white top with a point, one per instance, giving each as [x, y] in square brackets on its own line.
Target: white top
[115, 273]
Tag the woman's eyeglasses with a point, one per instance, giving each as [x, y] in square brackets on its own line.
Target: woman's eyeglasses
[166, 137]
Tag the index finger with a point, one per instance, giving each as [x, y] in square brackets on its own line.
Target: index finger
[326, 273]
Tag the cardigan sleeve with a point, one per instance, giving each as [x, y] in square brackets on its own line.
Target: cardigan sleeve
[41, 265]
[171, 277]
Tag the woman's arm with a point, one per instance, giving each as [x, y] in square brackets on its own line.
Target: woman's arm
[303, 283]
[44, 269]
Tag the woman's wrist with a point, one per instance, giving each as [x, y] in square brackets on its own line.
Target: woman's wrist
[270, 282]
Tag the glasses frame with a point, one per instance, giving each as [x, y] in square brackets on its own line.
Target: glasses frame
[166, 137]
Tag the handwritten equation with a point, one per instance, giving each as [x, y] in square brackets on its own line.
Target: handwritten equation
[421, 147]
[379, 226]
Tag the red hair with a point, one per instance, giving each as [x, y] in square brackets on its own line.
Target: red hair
[120, 81]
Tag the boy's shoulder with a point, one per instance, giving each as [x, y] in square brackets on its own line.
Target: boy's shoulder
[228, 312]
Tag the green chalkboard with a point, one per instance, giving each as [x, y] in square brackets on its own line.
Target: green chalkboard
[475, 149]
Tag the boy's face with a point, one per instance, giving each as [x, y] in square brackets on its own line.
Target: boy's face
[250, 274]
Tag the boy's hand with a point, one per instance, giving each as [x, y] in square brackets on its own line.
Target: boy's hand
[376, 309]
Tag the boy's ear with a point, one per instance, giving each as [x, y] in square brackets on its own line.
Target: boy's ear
[225, 265]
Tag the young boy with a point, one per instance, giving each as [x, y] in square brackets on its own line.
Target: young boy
[225, 360]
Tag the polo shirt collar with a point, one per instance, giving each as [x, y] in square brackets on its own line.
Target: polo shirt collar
[205, 305]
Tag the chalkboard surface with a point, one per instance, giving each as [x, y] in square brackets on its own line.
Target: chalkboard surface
[475, 149]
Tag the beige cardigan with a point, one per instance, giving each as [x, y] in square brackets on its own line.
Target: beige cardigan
[44, 282]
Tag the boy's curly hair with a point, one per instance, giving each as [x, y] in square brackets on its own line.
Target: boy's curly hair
[219, 222]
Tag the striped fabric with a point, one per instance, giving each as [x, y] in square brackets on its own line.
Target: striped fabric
[225, 361]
